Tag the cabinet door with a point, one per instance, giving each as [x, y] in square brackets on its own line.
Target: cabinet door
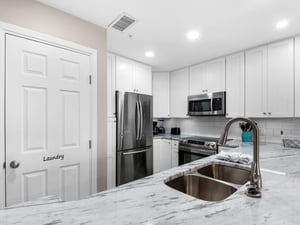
[111, 152]
[124, 74]
[143, 79]
[174, 153]
[255, 82]
[156, 155]
[161, 93]
[178, 93]
[165, 154]
[111, 84]
[215, 75]
[197, 81]
[297, 77]
[235, 85]
[280, 85]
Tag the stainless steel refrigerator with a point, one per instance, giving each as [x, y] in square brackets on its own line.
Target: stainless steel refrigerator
[134, 136]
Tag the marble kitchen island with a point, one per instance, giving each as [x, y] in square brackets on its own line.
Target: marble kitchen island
[149, 201]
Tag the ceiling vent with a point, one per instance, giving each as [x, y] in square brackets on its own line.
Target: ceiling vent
[122, 22]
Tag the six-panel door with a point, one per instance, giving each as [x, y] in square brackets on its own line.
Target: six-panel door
[47, 122]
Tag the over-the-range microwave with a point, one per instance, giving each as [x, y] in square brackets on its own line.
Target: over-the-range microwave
[209, 104]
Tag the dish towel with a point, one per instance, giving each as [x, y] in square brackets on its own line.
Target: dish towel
[236, 157]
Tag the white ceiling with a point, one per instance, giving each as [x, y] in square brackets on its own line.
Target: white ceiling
[225, 26]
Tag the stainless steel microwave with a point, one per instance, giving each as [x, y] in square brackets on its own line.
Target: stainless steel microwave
[209, 104]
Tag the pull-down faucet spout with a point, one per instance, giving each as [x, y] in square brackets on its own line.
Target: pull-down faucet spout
[255, 177]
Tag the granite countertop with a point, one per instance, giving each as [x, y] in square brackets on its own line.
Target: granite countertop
[149, 201]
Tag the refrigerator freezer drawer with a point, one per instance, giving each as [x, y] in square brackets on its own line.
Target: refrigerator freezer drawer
[133, 165]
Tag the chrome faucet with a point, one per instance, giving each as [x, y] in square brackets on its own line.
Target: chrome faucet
[254, 188]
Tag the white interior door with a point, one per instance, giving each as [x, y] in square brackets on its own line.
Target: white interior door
[47, 121]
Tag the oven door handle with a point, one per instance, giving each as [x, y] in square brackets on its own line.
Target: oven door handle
[196, 151]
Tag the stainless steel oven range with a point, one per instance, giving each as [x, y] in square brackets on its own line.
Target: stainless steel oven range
[196, 147]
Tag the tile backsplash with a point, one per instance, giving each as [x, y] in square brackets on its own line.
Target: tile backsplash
[270, 129]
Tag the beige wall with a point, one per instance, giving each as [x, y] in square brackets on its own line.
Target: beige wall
[35, 16]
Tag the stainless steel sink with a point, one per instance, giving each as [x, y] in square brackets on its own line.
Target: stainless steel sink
[226, 173]
[201, 187]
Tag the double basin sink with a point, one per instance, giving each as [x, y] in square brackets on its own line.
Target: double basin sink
[213, 182]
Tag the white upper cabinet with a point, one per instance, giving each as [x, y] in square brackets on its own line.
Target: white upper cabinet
[111, 84]
[255, 78]
[215, 73]
[297, 77]
[281, 79]
[124, 74]
[133, 77]
[161, 94]
[197, 80]
[207, 77]
[235, 85]
[270, 80]
[179, 83]
[143, 79]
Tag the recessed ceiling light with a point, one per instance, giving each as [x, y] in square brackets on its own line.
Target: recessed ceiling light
[149, 54]
[281, 24]
[193, 35]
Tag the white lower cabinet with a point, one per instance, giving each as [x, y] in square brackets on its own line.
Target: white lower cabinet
[156, 156]
[111, 152]
[165, 154]
[162, 155]
[174, 153]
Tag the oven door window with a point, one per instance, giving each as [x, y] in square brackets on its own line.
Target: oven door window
[186, 157]
[200, 105]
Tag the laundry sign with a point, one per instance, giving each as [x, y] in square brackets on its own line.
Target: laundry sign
[56, 157]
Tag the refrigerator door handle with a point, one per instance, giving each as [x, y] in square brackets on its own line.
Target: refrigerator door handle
[141, 124]
[138, 127]
[136, 152]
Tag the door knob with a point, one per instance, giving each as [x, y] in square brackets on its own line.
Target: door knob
[14, 164]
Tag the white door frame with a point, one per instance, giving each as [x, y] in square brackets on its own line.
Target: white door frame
[50, 40]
